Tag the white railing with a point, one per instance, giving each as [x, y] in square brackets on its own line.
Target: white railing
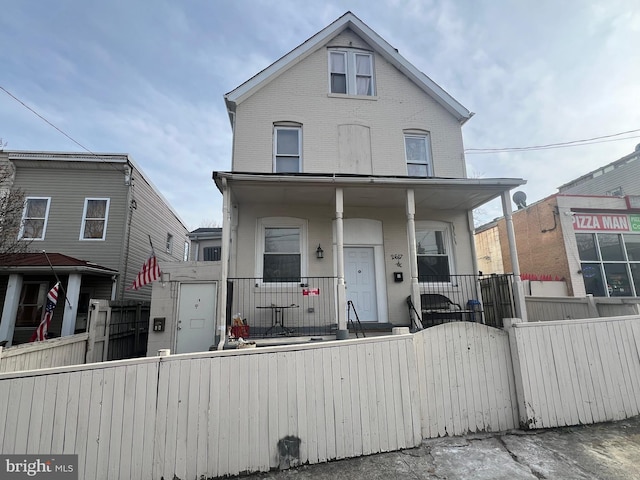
[55, 352]
[541, 309]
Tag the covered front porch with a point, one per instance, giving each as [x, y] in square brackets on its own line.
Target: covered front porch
[357, 247]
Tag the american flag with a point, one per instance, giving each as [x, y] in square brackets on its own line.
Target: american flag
[150, 273]
[52, 299]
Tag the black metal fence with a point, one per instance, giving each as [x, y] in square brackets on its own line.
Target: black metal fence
[128, 330]
[259, 309]
[477, 298]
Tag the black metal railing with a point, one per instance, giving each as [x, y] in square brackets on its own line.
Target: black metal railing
[477, 298]
[305, 308]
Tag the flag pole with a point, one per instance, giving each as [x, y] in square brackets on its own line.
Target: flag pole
[57, 279]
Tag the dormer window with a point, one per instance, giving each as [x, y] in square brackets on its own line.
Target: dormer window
[351, 72]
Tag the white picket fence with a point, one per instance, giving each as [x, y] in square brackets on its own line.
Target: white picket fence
[55, 352]
[577, 371]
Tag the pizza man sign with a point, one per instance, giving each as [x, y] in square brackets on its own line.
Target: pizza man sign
[609, 222]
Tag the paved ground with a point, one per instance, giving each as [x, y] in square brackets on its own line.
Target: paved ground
[608, 451]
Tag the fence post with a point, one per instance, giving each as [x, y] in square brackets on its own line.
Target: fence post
[525, 413]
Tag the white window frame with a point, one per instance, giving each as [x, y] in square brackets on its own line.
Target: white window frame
[169, 243]
[24, 218]
[447, 237]
[185, 253]
[351, 71]
[280, 222]
[276, 129]
[426, 137]
[84, 219]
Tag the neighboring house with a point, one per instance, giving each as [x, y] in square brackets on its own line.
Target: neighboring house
[206, 244]
[588, 235]
[94, 216]
[348, 191]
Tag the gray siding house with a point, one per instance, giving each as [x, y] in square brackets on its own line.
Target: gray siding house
[206, 244]
[88, 220]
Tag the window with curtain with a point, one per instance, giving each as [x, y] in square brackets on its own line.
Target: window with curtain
[418, 154]
[432, 248]
[94, 219]
[351, 72]
[282, 257]
[34, 218]
[287, 149]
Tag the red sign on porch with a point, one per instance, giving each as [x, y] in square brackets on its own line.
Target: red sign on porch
[311, 292]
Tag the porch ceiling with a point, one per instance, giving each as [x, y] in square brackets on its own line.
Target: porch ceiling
[431, 193]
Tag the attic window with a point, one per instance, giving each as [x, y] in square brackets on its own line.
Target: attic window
[351, 72]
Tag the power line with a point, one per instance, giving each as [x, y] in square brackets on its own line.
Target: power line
[573, 143]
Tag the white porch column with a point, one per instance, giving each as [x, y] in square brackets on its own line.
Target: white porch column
[518, 290]
[224, 265]
[413, 255]
[70, 311]
[341, 294]
[10, 310]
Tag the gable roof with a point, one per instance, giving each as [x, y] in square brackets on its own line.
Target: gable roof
[384, 49]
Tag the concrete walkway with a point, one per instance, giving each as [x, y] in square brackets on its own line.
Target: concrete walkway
[607, 451]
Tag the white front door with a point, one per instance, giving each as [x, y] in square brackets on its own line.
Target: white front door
[196, 317]
[360, 277]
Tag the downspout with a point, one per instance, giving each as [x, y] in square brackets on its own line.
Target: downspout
[224, 265]
[126, 234]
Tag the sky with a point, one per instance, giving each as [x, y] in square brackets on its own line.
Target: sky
[147, 78]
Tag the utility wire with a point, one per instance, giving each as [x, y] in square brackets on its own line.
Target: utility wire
[574, 143]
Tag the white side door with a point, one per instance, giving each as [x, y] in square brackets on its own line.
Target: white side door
[196, 317]
[360, 276]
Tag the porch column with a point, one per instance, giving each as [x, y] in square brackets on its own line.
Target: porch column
[71, 311]
[10, 310]
[341, 294]
[518, 290]
[413, 255]
[224, 265]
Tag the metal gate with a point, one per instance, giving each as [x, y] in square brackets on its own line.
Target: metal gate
[497, 298]
[128, 330]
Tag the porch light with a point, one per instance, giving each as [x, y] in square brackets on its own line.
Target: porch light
[319, 252]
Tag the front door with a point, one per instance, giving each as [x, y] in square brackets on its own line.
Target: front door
[360, 277]
[196, 317]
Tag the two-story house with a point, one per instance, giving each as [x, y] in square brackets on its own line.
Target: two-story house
[348, 191]
[88, 221]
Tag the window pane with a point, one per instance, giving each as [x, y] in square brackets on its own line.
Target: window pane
[338, 83]
[610, 246]
[635, 274]
[417, 170]
[416, 149]
[433, 268]
[36, 208]
[96, 208]
[287, 165]
[93, 229]
[430, 242]
[338, 62]
[363, 86]
[287, 142]
[281, 268]
[282, 240]
[363, 65]
[617, 280]
[33, 229]
[586, 246]
[593, 279]
[632, 242]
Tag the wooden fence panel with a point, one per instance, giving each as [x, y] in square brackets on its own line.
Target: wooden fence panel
[56, 352]
[578, 371]
[465, 379]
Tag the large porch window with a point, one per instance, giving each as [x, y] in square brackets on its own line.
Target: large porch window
[434, 252]
[283, 243]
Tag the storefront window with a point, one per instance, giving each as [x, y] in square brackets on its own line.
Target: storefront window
[610, 247]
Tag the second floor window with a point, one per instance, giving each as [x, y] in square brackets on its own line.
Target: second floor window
[94, 219]
[169, 243]
[418, 155]
[287, 149]
[34, 218]
[351, 72]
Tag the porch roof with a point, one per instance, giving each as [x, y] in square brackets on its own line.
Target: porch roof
[363, 190]
[41, 263]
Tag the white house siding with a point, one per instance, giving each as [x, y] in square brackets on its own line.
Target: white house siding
[300, 94]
